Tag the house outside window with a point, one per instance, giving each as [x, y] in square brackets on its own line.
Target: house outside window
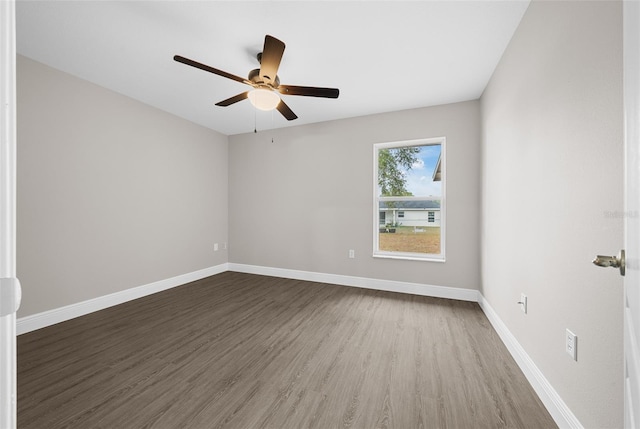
[409, 199]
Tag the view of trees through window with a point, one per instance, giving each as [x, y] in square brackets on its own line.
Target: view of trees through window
[409, 199]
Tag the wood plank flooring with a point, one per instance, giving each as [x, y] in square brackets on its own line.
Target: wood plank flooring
[246, 351]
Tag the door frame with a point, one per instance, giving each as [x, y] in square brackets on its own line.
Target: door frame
[8, 397]
[631, 303]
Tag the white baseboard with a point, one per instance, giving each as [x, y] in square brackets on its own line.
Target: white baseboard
[57, 315]
[361, 282]
[558, 409]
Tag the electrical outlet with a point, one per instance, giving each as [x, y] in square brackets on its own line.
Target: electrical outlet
[572, 345]
[523, 303]
[215, 247]
[224, 246]
[352, 254]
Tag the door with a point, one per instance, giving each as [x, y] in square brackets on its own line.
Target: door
[9, 287]
[631, 30]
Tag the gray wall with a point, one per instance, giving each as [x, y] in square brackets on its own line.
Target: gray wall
[304, 200]
[112, 193]
[552, 198]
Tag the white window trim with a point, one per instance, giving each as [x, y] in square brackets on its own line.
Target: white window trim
[429, 257]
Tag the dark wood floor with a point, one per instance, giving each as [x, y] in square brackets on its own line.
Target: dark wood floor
[246, 351]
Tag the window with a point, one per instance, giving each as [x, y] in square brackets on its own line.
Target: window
[409, 203]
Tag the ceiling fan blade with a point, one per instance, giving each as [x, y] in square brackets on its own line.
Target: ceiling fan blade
[271, 57]
[232, 100]
[210, 69]
[309, 91]
[286, 111]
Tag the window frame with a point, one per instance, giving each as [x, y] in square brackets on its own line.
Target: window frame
[428, 257]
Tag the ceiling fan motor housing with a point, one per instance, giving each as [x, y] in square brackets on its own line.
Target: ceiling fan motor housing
[254, 76]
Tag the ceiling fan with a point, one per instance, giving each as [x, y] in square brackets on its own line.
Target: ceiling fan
[265, 81]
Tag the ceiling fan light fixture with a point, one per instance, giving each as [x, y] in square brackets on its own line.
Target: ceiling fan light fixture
[264, 99]
[265, 82]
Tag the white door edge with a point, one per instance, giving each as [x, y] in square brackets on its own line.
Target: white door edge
[8, 399]
[631, 303]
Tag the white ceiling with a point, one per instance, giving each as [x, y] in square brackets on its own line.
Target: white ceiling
[382, 55]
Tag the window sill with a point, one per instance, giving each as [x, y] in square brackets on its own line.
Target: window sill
[410, 257]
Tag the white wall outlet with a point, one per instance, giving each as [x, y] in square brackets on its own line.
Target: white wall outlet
[224, 246]
[352, 253]
[523, 303]
[215, 247]
[571, 341]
